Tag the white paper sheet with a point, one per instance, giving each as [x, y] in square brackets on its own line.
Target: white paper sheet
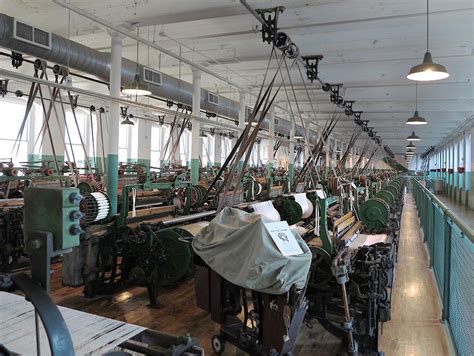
[284, 238]
[368, 240]
[267, 209]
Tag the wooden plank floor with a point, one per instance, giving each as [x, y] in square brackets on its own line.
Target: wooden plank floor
[415, 328]
[180, 316]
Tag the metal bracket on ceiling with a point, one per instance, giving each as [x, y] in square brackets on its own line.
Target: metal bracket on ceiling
[270, 17]
[348, 107]
[312, 65]
[335, 97]
[357, 115]
[17, 59]
[3, 87]
[123, 111]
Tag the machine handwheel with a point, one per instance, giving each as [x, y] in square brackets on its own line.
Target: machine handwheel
[320, 268]
[218, 344]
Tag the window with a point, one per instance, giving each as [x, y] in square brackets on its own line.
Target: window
[254, 155]
[73, 137]
[467, 159]
[128, 135]
[264, 151]
[185, 147]
[225, 148]
[159, 136]
[14, 112]
[207, 150]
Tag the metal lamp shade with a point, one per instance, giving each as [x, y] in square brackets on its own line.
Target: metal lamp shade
[136, 88]
[413, 137]
[428, 70]
[416, 119]
[127, 121]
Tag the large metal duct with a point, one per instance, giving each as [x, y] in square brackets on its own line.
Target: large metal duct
[79, 57]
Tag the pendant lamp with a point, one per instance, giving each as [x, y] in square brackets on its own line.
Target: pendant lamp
[413, 137]
[136, 88]
[416, 119]
[428, 70]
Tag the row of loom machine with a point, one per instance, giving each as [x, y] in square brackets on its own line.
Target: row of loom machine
[350, 227]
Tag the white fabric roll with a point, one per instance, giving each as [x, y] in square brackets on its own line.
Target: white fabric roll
[267, 209]
[305, 204]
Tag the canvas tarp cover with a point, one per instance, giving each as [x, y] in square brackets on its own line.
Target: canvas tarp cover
[238, 247]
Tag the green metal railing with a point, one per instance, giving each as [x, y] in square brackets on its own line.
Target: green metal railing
[451, 247]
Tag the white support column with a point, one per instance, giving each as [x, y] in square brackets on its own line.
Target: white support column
[195, 134]
[114, 120]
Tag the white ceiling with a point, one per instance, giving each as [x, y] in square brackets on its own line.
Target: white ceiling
[368, 45]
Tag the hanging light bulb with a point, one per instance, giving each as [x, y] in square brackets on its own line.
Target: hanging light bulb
[416, 119]
[413, 137]
[428, 70]
[136, 88]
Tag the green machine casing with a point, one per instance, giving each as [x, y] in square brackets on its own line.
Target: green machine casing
[54, 210]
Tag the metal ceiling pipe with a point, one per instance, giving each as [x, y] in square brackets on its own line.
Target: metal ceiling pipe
[85, 59]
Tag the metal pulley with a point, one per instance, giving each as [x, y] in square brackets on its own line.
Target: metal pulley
[394, 189]
[197, 194]
[88, 187]
[375, 213]
[386, 196]
[289, 210]
[178, 255]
